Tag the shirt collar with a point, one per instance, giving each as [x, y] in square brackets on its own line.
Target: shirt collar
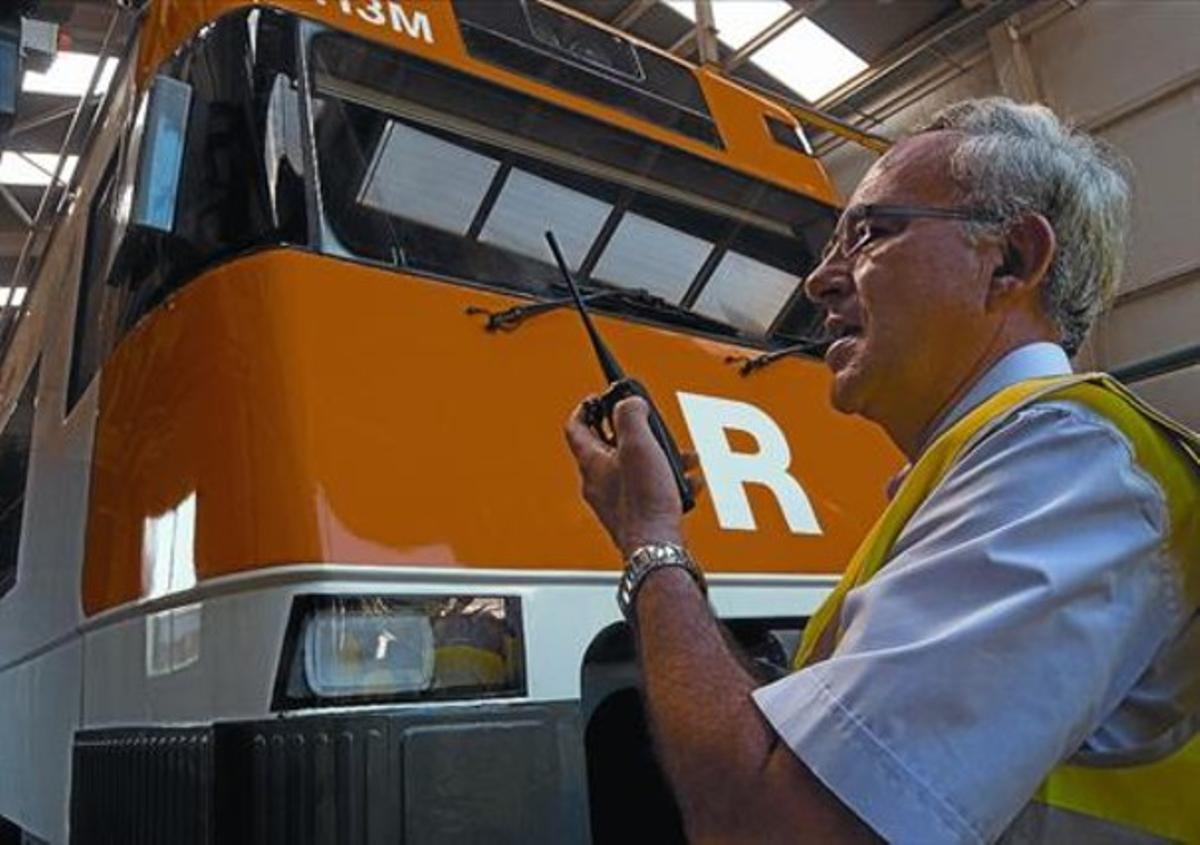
[1034, 360]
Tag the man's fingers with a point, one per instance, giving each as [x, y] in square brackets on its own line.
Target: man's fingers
[584, 443]
[691, 461]
[697, 483]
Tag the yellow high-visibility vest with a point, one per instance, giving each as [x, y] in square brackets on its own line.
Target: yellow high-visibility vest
[1159, 798]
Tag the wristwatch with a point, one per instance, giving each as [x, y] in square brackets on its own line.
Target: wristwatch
[645, 559]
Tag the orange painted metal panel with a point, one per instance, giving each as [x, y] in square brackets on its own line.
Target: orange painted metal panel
[739, 114]
[321, 410]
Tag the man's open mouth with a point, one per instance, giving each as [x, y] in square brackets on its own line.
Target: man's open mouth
[842, 335]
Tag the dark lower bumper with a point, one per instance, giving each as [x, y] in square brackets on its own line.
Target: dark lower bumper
[495, 774]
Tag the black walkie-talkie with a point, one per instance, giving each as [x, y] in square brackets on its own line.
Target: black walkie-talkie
[598, 412]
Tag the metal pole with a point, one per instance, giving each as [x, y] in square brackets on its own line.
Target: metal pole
[49, 117]
[706, 32]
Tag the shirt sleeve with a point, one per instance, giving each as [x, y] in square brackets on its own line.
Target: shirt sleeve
[1021, 603]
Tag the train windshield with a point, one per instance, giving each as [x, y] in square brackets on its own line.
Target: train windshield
[431, 170]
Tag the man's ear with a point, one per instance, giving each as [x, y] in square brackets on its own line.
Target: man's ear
[1025, 257]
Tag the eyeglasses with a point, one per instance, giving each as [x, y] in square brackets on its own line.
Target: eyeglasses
[855, 230]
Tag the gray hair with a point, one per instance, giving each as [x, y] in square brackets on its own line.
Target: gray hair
[1019, 159]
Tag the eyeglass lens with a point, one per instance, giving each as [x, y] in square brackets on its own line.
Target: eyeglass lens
[852, 231]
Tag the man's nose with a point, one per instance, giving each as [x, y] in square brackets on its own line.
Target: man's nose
[829, 280]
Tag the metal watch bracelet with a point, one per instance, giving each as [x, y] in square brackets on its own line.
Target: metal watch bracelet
[646, 559]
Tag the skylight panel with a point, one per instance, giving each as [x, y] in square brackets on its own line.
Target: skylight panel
[740, 21]
[804, 57]
[68, 75]
[809, 60]
[737, 21]
[33, 169]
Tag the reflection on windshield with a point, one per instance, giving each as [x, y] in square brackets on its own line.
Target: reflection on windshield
[529, 205]
[418, 176]
[746, 292]
[648, 254]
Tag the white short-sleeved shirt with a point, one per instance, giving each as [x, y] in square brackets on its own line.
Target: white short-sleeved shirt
[1026, 614]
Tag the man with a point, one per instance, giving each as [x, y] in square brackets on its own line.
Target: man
[1030, 595]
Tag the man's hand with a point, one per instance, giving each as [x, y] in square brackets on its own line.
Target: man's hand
[629, 487]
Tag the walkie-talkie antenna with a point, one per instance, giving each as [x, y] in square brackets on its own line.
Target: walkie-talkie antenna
[612, 370]
[598, 411]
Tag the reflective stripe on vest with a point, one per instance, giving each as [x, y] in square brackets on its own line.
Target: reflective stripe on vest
[1158, 798]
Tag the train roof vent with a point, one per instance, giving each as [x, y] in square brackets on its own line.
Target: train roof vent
[561, 50]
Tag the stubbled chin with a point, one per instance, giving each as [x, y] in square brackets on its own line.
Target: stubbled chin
[841, 395]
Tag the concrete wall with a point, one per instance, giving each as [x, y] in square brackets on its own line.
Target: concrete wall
[1128, 70]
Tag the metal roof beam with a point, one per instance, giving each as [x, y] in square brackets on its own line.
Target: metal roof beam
[706, 33]
[631, 13]
[701, 36]
[44, 119]
[684, 44]
[1014, 68]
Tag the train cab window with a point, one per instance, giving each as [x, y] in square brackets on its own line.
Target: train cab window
[463, 185]
[646, 253]
[752, 282]
[15, 441]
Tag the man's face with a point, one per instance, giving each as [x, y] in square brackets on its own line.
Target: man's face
[911, 303]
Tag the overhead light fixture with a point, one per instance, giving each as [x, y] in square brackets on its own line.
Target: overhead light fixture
[12, 297]
[803, 57]
[33, 169]
[69, 75]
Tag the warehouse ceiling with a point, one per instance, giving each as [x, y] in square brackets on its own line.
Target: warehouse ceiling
[859, 49]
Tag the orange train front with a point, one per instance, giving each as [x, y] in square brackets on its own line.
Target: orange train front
[322, 411]
[333, 578]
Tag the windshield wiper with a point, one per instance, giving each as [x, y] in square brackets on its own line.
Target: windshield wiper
[631, 301]
[804, 347]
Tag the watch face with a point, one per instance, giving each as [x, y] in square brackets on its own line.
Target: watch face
[656, 552]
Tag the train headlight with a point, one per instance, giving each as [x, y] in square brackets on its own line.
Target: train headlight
[343, 650]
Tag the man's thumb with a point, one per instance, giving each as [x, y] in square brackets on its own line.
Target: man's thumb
[630, 417]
